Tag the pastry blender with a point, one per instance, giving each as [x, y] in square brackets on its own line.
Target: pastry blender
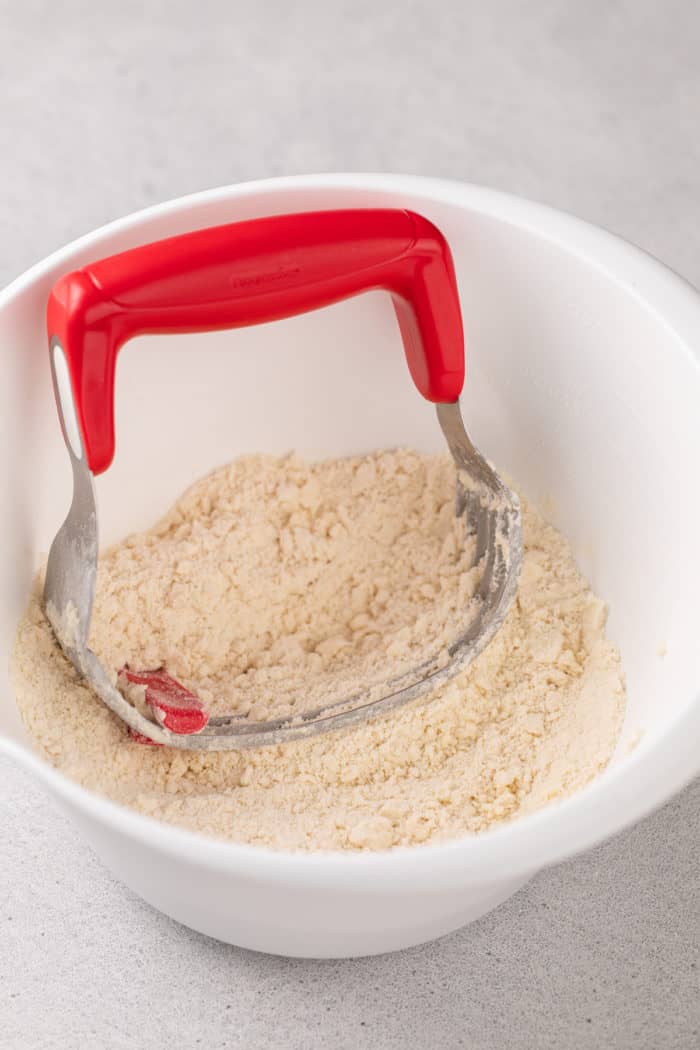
[227, 277]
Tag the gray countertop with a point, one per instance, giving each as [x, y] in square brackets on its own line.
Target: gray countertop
[592, 108]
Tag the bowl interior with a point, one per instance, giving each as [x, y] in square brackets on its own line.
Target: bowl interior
[578, 386]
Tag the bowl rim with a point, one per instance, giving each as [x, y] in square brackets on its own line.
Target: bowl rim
[621, 795]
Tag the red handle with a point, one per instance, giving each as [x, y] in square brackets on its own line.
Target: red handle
[248, 272]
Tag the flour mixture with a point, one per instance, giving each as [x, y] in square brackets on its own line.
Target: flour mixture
[274, 586]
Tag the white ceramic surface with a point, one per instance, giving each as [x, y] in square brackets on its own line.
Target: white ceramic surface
[583, 383]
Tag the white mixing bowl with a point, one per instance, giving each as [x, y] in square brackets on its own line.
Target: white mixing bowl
[582, 382]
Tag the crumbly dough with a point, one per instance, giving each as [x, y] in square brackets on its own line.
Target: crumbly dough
[273, 586]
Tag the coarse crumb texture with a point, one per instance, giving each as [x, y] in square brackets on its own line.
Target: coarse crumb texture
[274, 585]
